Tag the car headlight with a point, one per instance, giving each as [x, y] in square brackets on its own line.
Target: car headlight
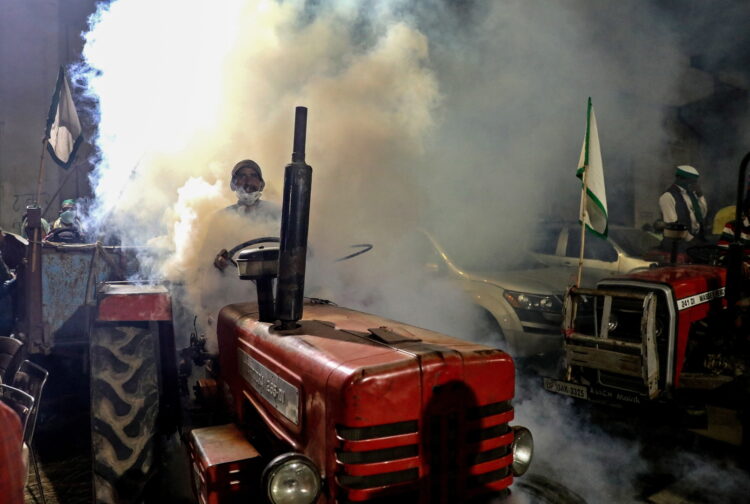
[533, 301]
[523, 450]
[291, 478]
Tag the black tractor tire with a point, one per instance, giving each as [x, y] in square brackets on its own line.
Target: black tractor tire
[538, 489]
[124, 409]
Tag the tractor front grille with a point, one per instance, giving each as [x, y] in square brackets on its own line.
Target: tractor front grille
[378, 462]
[454, 454]
[627, 314]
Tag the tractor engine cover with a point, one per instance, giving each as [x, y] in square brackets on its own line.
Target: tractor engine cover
[382, 408]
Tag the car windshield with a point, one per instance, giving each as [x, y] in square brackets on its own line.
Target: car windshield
[634, 242]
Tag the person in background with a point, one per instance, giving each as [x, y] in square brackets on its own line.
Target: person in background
[8, 300]
[722, 216]
[68, 216]
[683, 202]
[7, 285]
[67, 227]
[25, 227]
[13, 472]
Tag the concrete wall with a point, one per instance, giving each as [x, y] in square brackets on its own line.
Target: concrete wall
[36, 37]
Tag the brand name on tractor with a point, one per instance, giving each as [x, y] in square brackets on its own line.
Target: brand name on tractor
[701, 298]
[281, 394]
[600, 393]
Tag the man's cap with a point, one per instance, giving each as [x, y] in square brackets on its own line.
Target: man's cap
[247, 163]
[687, 171]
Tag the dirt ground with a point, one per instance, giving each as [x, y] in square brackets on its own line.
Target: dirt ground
[64, 482]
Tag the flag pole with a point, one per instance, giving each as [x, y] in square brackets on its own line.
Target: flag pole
[35, 237]
[65, 181]
[583, 225]
[41, 171]
[584, 180]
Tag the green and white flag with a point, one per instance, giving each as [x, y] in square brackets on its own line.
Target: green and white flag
[594, 213]
[64, 133]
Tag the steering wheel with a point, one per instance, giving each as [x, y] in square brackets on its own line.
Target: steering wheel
[254, 241]
[228, 255]
[64, 235]
[709, 253]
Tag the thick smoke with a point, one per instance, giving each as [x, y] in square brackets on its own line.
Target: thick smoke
[183, 103]
[464, 118]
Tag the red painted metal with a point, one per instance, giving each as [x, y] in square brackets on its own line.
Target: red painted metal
[224, 465]
[686, 281]
[418, 393]
[134, 303]
[377, 443]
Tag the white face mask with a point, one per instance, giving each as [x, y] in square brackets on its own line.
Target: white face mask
[247, 198]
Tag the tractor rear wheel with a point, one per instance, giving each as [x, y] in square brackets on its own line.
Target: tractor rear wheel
[124, 408]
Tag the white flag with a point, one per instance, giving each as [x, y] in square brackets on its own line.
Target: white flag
[590, 164]
[63, 127]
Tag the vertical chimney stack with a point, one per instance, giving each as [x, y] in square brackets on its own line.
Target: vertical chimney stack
[295, 218]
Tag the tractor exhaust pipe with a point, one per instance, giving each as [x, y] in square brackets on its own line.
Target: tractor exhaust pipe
[295, 219]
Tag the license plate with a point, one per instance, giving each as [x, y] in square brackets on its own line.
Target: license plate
[569, 389]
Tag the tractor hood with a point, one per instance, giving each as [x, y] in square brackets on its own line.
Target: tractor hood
[345, 377]
[685, 280]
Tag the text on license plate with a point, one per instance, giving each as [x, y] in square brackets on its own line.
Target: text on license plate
[561, 387]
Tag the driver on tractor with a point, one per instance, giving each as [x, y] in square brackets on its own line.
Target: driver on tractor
[248, 184]
[250, 218]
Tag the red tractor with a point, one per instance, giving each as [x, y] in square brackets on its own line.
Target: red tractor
[673, 336]
[339, 406]
[342, 406]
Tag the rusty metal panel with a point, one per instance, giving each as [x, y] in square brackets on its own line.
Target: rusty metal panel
[225, 466]
[605, 360]
[69, 275]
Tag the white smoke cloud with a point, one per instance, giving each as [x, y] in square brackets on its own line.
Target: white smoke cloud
[465, 118]
[219, 84]
[202, 87]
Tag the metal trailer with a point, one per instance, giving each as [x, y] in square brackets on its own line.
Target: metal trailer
[78, 313]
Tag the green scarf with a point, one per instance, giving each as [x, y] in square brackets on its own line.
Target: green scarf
[694, 201]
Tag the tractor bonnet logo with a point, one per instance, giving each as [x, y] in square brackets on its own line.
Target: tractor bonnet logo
[701, 298]
[281, 394]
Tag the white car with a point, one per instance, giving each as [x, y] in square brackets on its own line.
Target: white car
[559, 244]
[522, 301]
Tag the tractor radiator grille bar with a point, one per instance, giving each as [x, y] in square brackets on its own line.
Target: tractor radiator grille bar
[457, 454]
[377, 463]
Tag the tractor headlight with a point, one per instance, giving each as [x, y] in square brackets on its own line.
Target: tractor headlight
[292, 478]
[523, 450]
[533, 301]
